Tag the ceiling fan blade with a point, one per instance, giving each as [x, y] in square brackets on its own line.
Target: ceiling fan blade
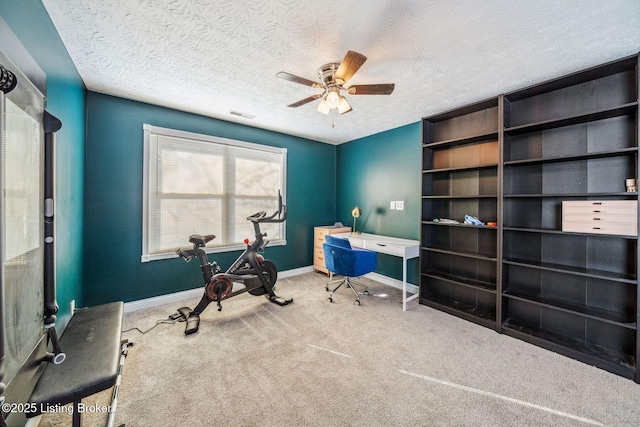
[306, 100]
[380, 89]
[296, 79]
[350, 64]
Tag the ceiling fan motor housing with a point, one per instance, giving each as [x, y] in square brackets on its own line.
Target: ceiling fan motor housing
[327, 73]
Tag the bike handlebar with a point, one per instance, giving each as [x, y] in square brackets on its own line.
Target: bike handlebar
[278, 216]
[257, 215]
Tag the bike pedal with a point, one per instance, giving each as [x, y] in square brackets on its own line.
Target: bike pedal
[184, 312]
[193, 321]
[281, 301]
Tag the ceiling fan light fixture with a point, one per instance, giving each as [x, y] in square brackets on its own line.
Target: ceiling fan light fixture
[343, 105]
[323, 107]
[333, 98]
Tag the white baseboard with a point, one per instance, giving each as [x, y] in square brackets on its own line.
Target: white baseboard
[390, 281]
[162, 299]
[194, 293]
[295, 272]
[197, 292]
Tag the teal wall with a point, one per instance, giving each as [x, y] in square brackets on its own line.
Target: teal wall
[99, 181]
[113, 199]
[66, 100]
[373, 171]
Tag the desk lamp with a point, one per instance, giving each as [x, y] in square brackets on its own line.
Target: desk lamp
[355, 213]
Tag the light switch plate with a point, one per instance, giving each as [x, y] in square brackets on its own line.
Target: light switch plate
[400, 205]
[392, 205]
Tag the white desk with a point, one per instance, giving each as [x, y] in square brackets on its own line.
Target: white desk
[395, 246]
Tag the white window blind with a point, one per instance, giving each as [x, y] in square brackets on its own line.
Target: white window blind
[21, 225]
[207, 185]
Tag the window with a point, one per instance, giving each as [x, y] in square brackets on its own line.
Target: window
[199, 184]
[21, 224]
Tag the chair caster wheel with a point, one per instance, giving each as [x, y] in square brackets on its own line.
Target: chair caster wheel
[366, 292]
[326, 288]
[357, 302]
[330, 299]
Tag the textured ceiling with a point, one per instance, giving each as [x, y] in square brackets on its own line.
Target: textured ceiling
[213, 56]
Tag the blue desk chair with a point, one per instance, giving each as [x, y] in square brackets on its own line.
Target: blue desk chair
[348, 262]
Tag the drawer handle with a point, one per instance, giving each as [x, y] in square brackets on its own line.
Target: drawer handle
[596, 228]
[596, 219]
[597, 211]
[597, 203]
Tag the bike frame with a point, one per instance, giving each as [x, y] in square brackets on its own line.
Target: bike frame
[248, 266]
[250, 255]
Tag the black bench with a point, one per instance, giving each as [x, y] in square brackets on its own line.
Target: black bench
[94, 349]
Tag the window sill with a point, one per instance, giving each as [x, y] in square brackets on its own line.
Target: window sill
[214, 250]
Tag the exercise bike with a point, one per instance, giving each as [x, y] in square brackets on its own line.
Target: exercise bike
[258, 274]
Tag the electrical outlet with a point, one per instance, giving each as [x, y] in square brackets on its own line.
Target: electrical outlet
[400, 205]
[392, 205]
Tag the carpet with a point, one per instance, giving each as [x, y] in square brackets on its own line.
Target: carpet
[316, 363]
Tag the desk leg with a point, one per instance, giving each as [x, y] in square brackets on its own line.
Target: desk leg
[404, 283]
[405, 298]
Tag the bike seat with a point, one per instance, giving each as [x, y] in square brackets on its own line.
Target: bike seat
[199, 240]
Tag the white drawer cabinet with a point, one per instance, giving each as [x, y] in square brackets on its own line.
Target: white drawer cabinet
[601, 217]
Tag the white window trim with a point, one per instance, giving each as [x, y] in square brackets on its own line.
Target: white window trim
[148, 129]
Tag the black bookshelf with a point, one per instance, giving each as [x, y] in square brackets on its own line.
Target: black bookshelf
[571, 138]
[459, 262]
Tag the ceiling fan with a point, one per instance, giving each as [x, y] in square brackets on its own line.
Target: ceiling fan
[333, 77]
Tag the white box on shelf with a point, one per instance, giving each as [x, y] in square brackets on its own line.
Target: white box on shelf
[618, 217]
